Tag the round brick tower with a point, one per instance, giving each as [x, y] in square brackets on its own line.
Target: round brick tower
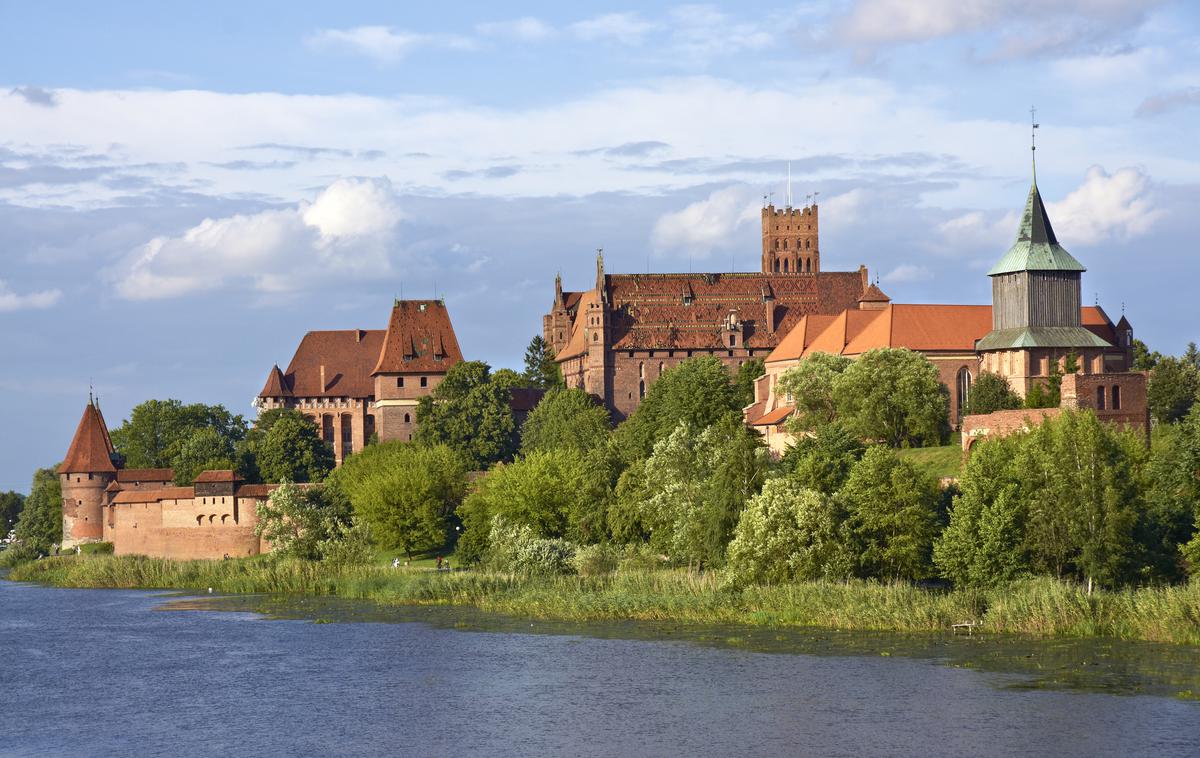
[84, 474]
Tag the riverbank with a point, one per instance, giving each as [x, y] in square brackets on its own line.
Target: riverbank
[1040, 607]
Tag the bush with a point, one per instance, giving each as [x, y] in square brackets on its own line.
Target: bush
[96, 548]
[517, 548]
[595, 560]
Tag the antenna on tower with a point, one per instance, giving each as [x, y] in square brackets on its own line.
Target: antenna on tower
[1033, 124]
[815, 197]
[764, 200]
[789, 185]
[808, 200]
[91, 397]
[771, 195]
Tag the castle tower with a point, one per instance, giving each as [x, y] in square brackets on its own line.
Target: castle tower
[556, 325]
[90, 466]
[596, 333]
[790, 240]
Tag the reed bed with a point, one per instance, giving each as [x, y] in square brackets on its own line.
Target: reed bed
[1042, 607]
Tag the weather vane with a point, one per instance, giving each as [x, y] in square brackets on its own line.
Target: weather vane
[1033, 138]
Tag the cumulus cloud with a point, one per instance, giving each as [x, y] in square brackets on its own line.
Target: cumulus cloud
[525, 29]
[906, 273]
[1106, 206]
[383, 43]
[707, 224]
[345, 232]
[11, 301]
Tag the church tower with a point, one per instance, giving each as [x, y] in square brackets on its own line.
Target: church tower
[790, 240]
[90, 466]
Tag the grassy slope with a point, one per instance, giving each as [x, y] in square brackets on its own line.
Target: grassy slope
[1042, 607]
[945, 461]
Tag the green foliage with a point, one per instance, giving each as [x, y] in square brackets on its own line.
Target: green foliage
[555, 493]
[291, 450]
[156, 431]
[203, 450]
[823, 461]
[11, 504]
[565, 418]
[508, 379]
[295, 521]
[690, 493]
[541, 370]
[349, 543]
[471, 414]
[786, 533]
[991, 392]
[809, 388]
[1172, 389]
[1143, 358]
[746, 374]
[1172, 499]
[1048, 394]
[406, 493]
[892, 512]
[698, 391]
[40, 524]
[893, 395]
[518, 548]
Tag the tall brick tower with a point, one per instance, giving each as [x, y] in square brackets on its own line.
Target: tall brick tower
[90, 466]
[790, 240]
[597, 335]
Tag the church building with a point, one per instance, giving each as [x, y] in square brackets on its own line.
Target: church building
[615, 339]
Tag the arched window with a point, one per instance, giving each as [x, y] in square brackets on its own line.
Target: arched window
[808, 244]
[785, 245]
[963, 389]
[776, 244]
[1100, 398]
[641, 369]
[641, 389]
[407, 418]
[1116, 397]
[776, 267]
[785, 266]
[660, 368]
[199, 520]
[733, 340]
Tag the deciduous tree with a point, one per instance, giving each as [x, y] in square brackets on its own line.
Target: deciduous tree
[469, 413]
[991, 392]
[565, 418]
[292, 450]
[894, 396]
[808, 387]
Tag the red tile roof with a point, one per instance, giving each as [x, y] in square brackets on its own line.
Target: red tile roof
[420, 338]
[874, 295]
[256, 490]
[276, 385]
[153, 496]
[793, 344]
[774, 417]
[348, 356]
[1095, 320]
[146, 475]
[91, 450]
[220, 475]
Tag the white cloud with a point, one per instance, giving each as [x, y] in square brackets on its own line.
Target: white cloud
[906, 273]
[383, 43]
[344, 233]
[526, 29]
[707, 224]
[701, 32]
[976, 229]
[1105, 206]
[1104, 70]
[625, 28]
[10, 301]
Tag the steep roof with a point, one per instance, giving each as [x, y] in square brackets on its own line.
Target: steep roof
[874, 295]
[797, 340]
[773, 417]
[420, 338]
[1036, 248]
[577, 344]
[276, 385]
[348, 356]
[91, 450]
[145, 475]
[834, 338]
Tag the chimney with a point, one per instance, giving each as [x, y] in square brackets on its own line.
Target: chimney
[769, 314]
[358, 335]
[322, 377]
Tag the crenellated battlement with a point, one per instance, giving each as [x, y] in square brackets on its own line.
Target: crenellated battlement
[790, 240]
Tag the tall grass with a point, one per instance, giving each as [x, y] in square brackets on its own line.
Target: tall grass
[1042, 607]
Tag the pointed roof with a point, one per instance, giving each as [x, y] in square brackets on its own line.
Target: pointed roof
[420, 338]
[276, 385]
[91, 450]
[874, 295]
[1036, 248]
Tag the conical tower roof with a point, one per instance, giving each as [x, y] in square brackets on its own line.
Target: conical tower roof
[276, 385]
[91, 450]
[1036, 248]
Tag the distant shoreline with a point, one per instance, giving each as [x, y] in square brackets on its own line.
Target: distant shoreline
[1040, 607]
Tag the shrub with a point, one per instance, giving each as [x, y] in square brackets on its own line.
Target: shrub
[518, 549]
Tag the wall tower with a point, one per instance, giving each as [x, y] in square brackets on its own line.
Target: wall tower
[90, 466]
[790, 240]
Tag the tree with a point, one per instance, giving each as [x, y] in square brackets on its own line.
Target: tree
[892, 515]
[40, 524]
[1048, 394]
[541, 369]
[471, 414]
[1143, 358]
[990, 393]
[296, 521]
[893, 395]
[556, 493]
[565, 418]
[156, 430]
[203, 450]
[292, 450]
[809, 388]
[747, 373]
[11, 504]
[788, 533]
[984, 543]
[406, 493]
[509, 379]
[823, 461]
[698, 391]
[1172, 493]
[1172, 389]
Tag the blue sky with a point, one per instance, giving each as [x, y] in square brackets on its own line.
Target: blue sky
[186, 189]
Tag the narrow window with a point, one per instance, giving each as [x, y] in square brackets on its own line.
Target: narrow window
[424, 381]
[1100, 398]
[399, 381]
[406, 418]
[732, 340]
[1116, 398]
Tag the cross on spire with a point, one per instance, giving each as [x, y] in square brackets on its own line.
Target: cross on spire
[1033, 124]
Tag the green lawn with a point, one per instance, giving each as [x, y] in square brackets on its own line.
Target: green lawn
[945, 461]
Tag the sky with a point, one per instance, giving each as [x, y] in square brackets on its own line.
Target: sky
[186, 189]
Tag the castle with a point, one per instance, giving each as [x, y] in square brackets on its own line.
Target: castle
[141, 512]
[1036, 323]
[616, 339]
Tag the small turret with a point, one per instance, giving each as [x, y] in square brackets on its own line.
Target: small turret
[90, 466]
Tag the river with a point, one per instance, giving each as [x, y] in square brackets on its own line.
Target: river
[114, 672]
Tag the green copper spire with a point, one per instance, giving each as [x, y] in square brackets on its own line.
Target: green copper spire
[1036, 248]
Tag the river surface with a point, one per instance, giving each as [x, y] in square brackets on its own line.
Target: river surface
[130, 673]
